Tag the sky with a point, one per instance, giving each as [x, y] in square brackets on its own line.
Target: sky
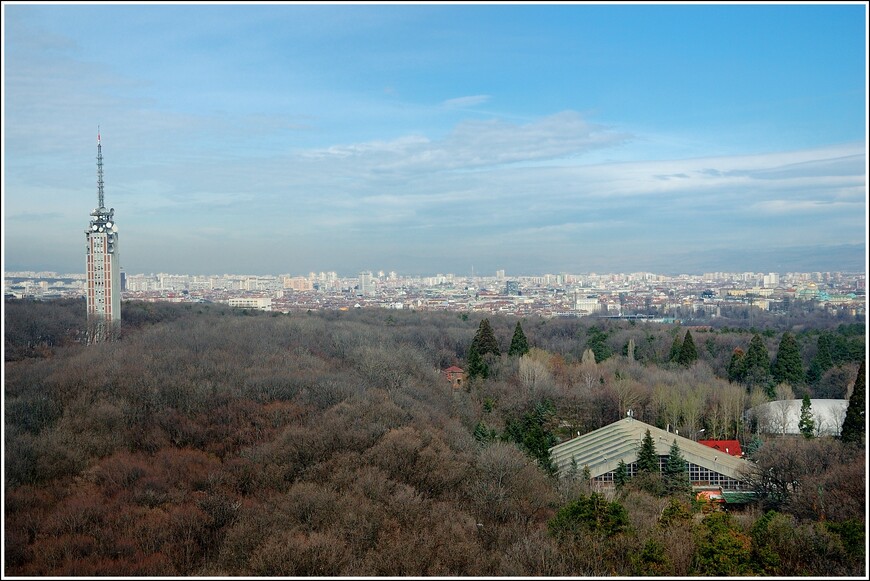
[426, 138]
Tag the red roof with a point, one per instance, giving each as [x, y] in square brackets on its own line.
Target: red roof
[710, 496]
[731, 447]
[454, 369]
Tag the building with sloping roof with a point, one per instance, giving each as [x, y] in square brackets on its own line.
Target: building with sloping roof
[602, 449]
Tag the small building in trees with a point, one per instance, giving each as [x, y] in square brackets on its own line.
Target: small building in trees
[456, 376]
[602, 451]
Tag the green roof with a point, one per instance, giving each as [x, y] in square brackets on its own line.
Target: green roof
[738, 496]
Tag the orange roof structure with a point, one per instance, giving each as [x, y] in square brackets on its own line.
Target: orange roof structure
[710, 496]
[730, 447]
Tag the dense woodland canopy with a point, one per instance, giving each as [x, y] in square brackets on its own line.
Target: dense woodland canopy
[209, 441]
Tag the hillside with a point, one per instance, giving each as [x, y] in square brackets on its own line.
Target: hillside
[213, 442]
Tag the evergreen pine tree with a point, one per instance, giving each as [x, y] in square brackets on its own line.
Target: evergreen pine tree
[823, 360]
[486, 341]
[752, 446]
[755, 365]
[620, 476]
[483, 434]
[647, 459]
[597, 341]
[676, 347]
[806, 424]
[519, 344]
[572, 469]
[475, 365]
[675, 474]
[688, 353]
[532, 434]
[735, 365]
[649, 477]
[788, 366]
[853, 426]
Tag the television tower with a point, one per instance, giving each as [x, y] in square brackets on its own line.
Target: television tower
[103, 265]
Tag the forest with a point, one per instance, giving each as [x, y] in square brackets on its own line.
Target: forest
[208, 441]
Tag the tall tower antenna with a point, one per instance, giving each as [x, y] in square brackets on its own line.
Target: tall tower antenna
[99, 171]
[103, 287]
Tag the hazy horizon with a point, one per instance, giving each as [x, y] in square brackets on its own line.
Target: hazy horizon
[270, 139]
[852, 258]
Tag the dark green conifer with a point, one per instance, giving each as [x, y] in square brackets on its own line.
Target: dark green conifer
[486, 341]
[788, 366]
[755, 366]
[735, 365]
[519, 344]
[647, 459]
[806, 424]
[676, 476]
[483, 434]
[597, 341]
[854, 426]
[676, 347]
[620, 476]
[688, 353]
[475, 365]
[823, 360]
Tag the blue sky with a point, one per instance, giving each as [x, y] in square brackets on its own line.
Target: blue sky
[284, 138]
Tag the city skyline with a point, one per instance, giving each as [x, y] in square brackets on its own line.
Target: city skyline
[437, 138]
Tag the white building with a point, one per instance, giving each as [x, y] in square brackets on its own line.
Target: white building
[587, 304]
[260, 303]
[366, 284]
[783, 416]
[771, 280]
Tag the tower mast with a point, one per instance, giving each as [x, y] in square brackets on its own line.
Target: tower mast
[103, 288]
[99, 171]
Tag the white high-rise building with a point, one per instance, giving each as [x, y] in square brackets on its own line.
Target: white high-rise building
[366, 284]
[103, 270]
[771, 280]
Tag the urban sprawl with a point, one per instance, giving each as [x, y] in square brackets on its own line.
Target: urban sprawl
[637, 295]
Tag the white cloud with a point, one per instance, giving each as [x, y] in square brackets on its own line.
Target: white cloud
[462, 102]
[479, 145]
[814, 207]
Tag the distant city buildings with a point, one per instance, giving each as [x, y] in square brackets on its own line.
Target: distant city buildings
[641, 295]
[298, 283]
[587, 304]
[366, 284]
[771, 280]
[259, 303]
[103, 269]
